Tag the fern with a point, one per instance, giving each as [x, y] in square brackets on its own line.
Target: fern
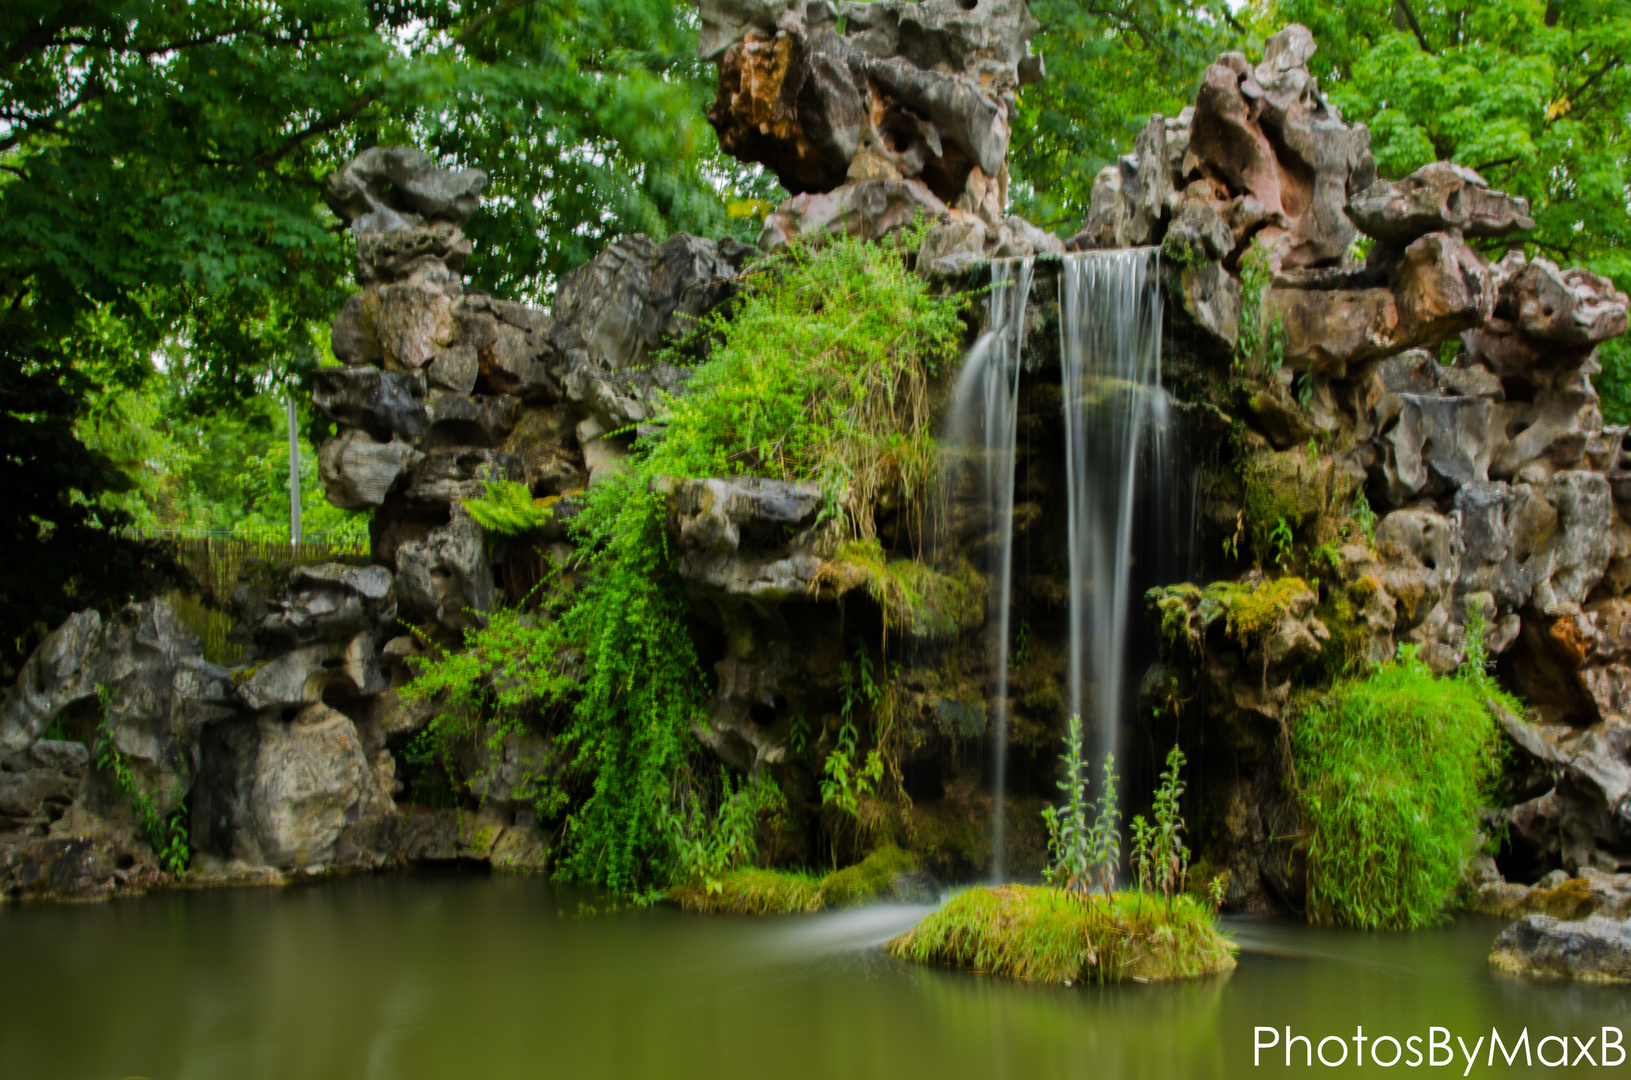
[508, 509]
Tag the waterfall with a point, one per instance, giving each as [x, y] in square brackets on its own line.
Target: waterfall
[990, 379]
[1110, 359]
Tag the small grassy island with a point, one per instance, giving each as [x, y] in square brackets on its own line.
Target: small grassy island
[1065, 931]
[1044, 934]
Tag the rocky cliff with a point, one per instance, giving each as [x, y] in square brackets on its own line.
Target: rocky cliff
[1385, 428]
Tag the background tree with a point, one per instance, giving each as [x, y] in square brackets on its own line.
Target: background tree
[160, 172]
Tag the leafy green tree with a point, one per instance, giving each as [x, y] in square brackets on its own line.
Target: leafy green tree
[160, 189]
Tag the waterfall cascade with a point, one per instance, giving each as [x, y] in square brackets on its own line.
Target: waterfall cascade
[992, 373]
[1110, 360]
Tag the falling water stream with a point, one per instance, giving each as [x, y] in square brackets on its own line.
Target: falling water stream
[992, 373]
[1110, 359]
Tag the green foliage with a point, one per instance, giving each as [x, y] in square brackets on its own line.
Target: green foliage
[703, 849]
[1166, 853]
[1050, 935]
[1534, 94]
[821, 373]
[749, 891]
[1110, 65]
[508, 509]
[1252, 346]
[1363, 515]
[167, 834]
[1280, 537]
[161, 208]
[1393, 768]
[1083, 850]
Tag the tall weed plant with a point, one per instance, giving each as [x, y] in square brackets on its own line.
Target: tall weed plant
[1394, 767]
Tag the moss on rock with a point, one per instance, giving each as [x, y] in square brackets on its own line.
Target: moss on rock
[752, 891]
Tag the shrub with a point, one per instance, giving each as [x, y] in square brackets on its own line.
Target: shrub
[1393, 768]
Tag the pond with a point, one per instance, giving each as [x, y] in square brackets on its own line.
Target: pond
[499, 977]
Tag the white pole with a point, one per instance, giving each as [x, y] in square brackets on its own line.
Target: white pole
[294, 479]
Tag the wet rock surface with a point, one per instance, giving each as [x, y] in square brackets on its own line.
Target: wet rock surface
[1593, 949]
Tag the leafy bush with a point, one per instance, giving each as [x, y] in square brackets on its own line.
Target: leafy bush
[1393, 768]
[820, 374]
[1083, 848]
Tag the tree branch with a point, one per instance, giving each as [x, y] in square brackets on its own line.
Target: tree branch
[486, 17]
[1403, 6]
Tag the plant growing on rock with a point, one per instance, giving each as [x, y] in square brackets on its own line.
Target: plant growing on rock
[820, 374]
[508, 509]
[166, 833]
[1393, 769]
[704, 848]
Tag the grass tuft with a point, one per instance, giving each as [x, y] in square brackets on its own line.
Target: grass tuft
[1048, 935]
[750, 891]
[1394, 768]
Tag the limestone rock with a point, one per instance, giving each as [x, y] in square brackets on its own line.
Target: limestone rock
[397, 187]
[322, 603]
[821, 93]
[617, 308]
[479, 420]
[445, 576]
[357, 472]
[352, 335]
[281, 793]
[414, 321]
[442, 477]
[867, 209]
[1594, 949]
[1544, 318]
[310, 674]
[135, 654]
[385, 404]
[1438, 197]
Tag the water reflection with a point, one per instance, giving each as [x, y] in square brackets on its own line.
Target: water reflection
[495, 977]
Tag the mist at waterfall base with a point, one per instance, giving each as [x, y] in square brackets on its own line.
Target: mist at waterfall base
[457, 976]
[1118, 479]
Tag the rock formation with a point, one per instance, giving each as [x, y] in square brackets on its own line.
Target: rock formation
[1348, 369]
[877, 114]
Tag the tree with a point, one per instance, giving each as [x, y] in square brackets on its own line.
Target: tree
[160, 187]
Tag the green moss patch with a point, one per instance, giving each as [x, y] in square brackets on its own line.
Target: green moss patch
[1048, 935]
[751, 891]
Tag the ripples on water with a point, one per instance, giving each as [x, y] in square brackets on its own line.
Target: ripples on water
[497, 977]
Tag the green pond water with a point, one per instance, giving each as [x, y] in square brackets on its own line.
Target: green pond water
[466, 976]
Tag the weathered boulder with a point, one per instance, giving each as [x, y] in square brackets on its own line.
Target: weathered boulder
[1594, 949]
[303, 604]
[357, 472]
[825, 93]
[282, 793]
[136, 657]
[388, 188]
[445, 576]
[867, 209]
[385, 404]
[1544, 319]
[1438, 197]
